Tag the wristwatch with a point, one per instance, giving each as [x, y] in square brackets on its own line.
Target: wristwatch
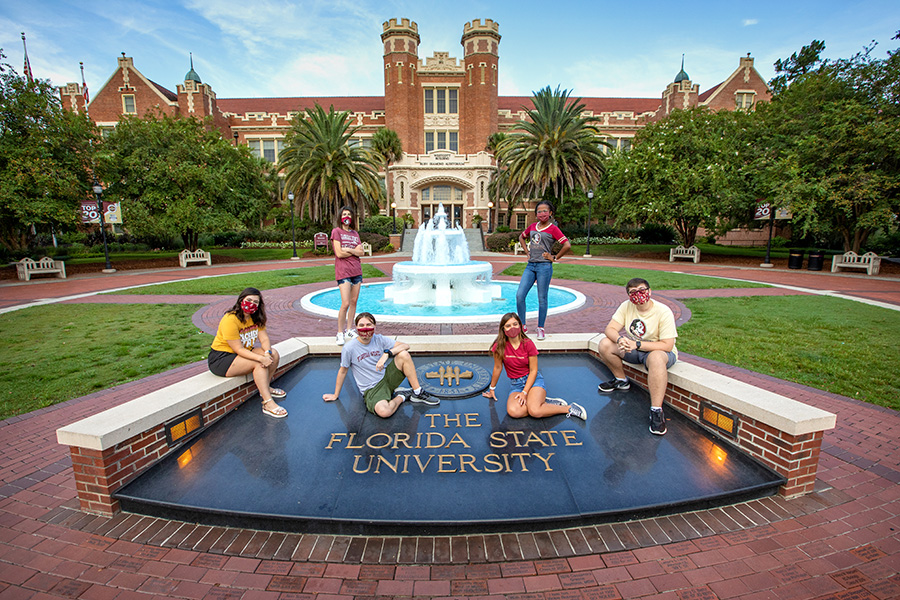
[389, 353]
[637, 344]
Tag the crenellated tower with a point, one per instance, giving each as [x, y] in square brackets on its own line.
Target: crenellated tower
[403, 110]
[478, 114]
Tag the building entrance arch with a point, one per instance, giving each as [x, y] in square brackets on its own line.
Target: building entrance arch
[450, 195]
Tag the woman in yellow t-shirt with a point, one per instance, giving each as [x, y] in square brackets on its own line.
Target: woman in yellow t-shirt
[233, 353]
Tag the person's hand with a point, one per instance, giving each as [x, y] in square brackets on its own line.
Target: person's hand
[547, 256]
[380, 364]
[359, 250]
[520, 398]
[329, 397]
[266, 360]
[489, 394]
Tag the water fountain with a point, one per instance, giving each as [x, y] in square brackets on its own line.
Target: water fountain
[440, 272]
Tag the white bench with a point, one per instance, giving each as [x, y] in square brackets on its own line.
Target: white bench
[869, 261]
[27, 267]
[367, 248]
[198, 255]
[681, 252]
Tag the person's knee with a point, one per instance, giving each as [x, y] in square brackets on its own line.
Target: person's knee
[517, 412]
[383, 409]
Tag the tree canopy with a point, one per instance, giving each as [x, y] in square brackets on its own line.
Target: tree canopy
[832, 144]
[323, 170]
[686, 170]
[177, 176]
[45, 159]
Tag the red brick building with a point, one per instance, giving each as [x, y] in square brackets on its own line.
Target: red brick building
[443, 108]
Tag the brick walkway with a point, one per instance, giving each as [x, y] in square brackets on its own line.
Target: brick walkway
[840, 542]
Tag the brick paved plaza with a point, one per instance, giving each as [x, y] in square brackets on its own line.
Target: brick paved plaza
[842, 541]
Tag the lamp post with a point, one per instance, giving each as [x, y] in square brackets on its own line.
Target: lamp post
[235, 139]
[293, 231]
[490, 217]
[590, 196]
[394, 215]
[98, 191]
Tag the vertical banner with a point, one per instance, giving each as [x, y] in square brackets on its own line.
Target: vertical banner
[89, 212]
[112, 212]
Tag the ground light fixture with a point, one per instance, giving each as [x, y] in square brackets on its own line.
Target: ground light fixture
[490, 217]
[394, 216]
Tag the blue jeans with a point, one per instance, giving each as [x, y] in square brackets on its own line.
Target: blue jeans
[542, 273]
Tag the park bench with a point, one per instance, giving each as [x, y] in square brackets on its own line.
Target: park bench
[869, 261]
[27, 267]
[367, 248]
[692, 252]
[198, 255]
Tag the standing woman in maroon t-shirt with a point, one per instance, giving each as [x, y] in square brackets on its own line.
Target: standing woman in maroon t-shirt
[528, 393]
[347, 270]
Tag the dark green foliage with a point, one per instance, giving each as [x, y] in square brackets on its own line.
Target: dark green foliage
[376, 240]
[380, 224]
[501, 241]
[657, 233]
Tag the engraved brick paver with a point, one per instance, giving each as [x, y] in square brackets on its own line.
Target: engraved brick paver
[838, 542]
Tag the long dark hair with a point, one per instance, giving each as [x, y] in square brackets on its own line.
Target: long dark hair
[499, 344]
[352, 216]
[259, 317]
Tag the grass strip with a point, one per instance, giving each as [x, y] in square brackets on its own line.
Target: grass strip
[659, 280]
[233, 284]
[841, 346]
[71, 350]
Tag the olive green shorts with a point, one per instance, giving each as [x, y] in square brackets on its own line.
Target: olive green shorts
[384, 389]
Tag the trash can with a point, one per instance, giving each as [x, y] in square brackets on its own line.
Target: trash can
[795, 259]
[816, 260]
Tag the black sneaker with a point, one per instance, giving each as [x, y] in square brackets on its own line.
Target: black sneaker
[576, 410]
[657, 422]
[614, 384]
[423, 397]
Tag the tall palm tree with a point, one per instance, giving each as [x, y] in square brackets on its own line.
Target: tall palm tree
[386, 144]
[322, 169]
[498, 186]
[554, 150]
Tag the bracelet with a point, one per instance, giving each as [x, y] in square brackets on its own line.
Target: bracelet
[493, 387]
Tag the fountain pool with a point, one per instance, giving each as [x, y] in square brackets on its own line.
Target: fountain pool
[372, 299]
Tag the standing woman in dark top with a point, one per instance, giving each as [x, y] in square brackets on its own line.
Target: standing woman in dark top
[537, 241]
[348, 249]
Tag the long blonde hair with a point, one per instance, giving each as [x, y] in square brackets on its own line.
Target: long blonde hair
[499, 344]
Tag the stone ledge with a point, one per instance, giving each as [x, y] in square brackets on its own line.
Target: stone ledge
[122, 422]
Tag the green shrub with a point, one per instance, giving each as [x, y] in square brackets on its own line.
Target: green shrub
[501, 241]
[376, 240]
[657, 233]
[381, 224]
[884, 244]
[388, 247]
[502, 229]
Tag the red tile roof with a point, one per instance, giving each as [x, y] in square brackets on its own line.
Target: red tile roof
[596, 105]
[172, 96]
[282, 106]
[705, 95]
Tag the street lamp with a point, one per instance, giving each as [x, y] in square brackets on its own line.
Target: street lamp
[590, 196]
[394, 215]
[235, 139]
[293, 233]
[98, 191]
[490, 217]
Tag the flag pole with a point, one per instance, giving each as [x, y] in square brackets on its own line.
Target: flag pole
[28, 75]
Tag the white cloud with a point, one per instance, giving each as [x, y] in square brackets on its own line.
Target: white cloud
[748, 22]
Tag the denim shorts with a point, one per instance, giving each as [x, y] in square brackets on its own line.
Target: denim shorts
[639, 357]
[355, 280]
[518, 384]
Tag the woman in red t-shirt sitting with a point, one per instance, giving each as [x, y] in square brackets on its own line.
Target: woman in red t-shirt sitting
[528, 394]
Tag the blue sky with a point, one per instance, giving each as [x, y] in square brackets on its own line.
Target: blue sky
[250, 48]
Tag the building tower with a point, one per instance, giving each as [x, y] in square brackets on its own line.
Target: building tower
[478, 114]
[402, 100]
[681, 93]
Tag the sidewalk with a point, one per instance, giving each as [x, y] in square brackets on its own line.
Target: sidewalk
[840, 542]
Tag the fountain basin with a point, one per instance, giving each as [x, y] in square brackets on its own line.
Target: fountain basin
[443, 286]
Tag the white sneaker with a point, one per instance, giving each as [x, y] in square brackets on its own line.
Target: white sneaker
[541, 334]
[350, 334]
[556, 401]
[340, 338]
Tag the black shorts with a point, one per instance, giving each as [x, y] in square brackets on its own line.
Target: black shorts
[219, 362]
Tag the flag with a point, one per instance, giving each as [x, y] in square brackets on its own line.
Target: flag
[28, 75]
[84, 89]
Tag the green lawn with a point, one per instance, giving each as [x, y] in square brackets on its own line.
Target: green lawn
[71, 350]
[233, 284]
[659, 280]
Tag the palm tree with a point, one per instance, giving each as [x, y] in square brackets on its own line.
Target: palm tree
[555, 150]
[323, 169]
[498, 186]
[386, 144]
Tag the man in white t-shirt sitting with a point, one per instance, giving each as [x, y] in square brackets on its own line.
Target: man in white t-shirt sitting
[379, 365]
[641, 332]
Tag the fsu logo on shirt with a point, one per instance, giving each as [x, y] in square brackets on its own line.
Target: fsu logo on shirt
[637, 328]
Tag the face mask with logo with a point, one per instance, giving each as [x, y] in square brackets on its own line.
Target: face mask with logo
[639, 296]
[365, 331]
[248, 307]
[512, 332]
[347, 220]
[543, 217]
